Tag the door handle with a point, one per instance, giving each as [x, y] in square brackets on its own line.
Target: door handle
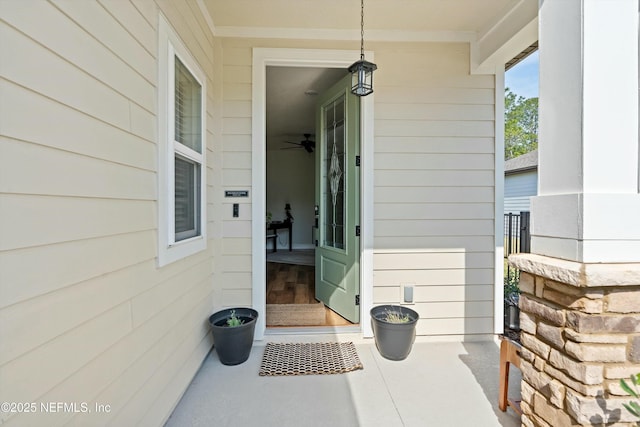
[316, 214]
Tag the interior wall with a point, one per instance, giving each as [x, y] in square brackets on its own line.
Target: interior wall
[291, 179]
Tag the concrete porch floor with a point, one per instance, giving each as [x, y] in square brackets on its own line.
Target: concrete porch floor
[440, 384]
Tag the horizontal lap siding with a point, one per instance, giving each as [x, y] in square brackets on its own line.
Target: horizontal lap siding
[235, 286]
[433, 180]
[434, 187]
[85, 313]
[518, 189]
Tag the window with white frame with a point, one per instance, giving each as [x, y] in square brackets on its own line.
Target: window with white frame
[182, 149]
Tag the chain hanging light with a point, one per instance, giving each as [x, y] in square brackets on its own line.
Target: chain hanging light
[362, 70]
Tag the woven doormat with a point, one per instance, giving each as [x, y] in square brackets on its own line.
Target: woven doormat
[309, 359]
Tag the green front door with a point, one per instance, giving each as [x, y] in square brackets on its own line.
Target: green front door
[338, 200]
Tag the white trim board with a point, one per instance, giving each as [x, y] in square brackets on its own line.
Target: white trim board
[340, 34]
[498, 295]
[263, 57]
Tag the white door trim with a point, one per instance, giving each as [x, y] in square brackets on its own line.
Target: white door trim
[263, 57]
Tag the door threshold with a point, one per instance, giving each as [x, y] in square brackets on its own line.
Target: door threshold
[312, 330]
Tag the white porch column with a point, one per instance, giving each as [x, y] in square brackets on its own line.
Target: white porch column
[588, 208]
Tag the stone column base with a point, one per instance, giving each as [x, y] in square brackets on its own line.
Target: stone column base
[580, 332]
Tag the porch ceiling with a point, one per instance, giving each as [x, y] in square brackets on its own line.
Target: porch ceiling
[486, 24]
[387, 15]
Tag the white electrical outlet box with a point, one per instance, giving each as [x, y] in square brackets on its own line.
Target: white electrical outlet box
[406, 293]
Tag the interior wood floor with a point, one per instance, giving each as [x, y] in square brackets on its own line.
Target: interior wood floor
[295, 284]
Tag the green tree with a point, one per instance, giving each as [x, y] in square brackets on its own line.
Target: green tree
[520, 124]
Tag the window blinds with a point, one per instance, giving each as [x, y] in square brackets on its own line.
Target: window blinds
[188, 132]
[187, 199]
[187, 108]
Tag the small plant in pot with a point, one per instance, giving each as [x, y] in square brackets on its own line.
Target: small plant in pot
[233, 330]
[394, 330]
[511, 301]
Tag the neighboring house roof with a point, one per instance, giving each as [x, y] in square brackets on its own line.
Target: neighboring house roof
[522, 163]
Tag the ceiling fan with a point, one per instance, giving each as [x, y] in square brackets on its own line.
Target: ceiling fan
[306, 143]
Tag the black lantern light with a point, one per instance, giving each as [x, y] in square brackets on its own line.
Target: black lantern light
[362, 70]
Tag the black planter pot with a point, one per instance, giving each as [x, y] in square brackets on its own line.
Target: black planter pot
[393, 340]
[233, 343]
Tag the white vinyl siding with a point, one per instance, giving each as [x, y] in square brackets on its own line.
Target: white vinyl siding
[518, 189]
[234, 288]
[79, 218]
[434, 187]
[433, 181]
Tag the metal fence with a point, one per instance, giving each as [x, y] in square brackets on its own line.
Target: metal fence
[517, 237]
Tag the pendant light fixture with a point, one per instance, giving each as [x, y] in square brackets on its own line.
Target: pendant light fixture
[362, 70]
